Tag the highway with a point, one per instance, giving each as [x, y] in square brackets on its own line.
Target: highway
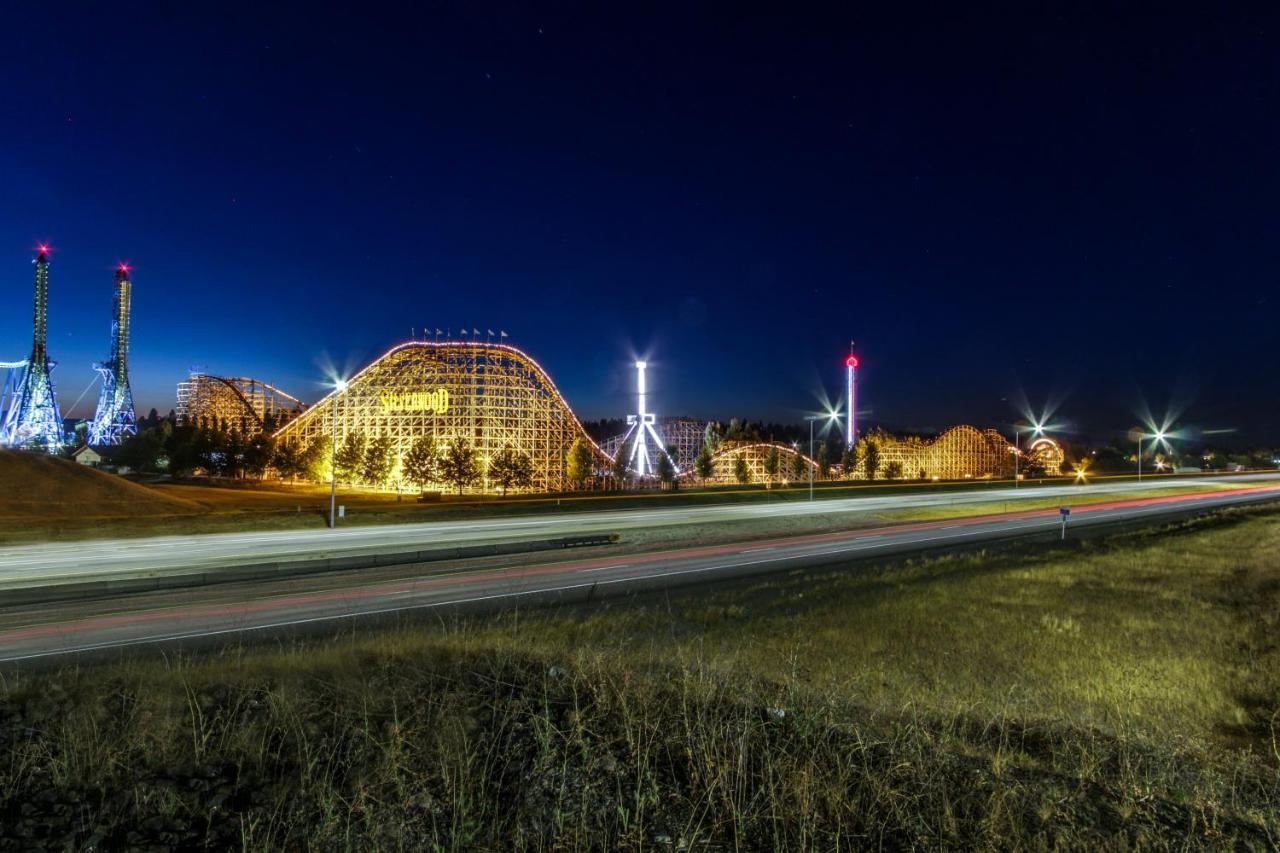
[30, 564]
[228, 612]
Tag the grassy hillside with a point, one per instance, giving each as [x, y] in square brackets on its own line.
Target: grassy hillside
[43, 487]
[1116, 695]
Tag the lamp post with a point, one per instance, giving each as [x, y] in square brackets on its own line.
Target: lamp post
[1159, 438]
[810, 419]
[338, 388]
[1037, 429]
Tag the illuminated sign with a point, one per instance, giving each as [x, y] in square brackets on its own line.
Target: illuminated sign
[436, 401]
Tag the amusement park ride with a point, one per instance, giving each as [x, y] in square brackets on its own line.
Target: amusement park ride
[29, 403]
[31, 418]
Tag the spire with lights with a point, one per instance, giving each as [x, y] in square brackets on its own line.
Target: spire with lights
[114, 419]
[34, 420]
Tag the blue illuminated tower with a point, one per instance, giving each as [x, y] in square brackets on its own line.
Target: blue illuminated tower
[114, 419]
[33, 420]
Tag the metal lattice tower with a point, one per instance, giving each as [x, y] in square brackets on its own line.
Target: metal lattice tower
[114, 418]
[491, 395]
[33, 419]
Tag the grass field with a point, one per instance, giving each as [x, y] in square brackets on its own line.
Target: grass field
[1117, 694]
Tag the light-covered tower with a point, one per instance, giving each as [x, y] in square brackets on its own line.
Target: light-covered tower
[643, 461]
[114, 419]
[34, 420]
[851, 395]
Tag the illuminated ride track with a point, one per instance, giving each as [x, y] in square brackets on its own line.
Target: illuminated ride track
[242, 403]
[491, 395]
[754, 453]
[959, 453]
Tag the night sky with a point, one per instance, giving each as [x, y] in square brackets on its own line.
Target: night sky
[1078, 208]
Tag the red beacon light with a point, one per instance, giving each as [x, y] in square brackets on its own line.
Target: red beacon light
[123, 267]
[851, 361]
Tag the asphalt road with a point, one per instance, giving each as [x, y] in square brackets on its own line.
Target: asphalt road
[22, 565]
[250, 610]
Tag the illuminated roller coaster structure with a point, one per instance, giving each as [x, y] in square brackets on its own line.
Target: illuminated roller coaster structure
[959, 453]
[491, 395]
[241, 403]
[1048, 453]
[725, 463]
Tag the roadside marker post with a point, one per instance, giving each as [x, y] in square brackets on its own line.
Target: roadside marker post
[1064, 511]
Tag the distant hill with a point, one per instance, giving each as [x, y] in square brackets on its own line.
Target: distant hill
[43, 487]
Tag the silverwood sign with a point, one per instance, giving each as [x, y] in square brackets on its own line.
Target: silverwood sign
[435, 401]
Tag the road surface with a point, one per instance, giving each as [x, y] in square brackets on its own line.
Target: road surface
[52, 633]
[32, 564]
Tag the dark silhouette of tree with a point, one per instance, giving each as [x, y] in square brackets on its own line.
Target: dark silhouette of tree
[621, 469]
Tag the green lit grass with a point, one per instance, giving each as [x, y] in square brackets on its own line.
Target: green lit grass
[1119, 694]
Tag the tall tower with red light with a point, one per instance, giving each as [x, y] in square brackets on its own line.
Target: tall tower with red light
[851, 395]
[33, 420]
[114, 420]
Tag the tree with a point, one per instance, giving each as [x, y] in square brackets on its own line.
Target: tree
[579, 464]
[704, 465]
[621, 469]
[288, 461]
[666, 470]
[510, 468]
[140, 452]
[230, 462]
[824, 460]
[315, 461]
[460, 464]
[893, 471]
[799, 467]
[259, 452]
[711, 437]
[350, 460]
[377, 465]
[870, 458]
[741, 471]
[772, 463]
[421, 465]
[849, 462]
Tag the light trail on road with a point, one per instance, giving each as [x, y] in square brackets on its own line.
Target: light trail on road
[37, 562]
[251, 611]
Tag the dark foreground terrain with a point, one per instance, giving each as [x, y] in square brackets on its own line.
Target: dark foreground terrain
[1113, 695]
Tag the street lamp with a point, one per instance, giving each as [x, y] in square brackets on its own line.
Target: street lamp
[831, 416]
[1036, 429]
[1159, 438]
[338, 387]
[810, 419]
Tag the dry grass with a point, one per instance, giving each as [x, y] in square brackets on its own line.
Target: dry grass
[1119, 695]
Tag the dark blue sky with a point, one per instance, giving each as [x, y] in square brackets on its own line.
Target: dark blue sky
[1076, 206]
